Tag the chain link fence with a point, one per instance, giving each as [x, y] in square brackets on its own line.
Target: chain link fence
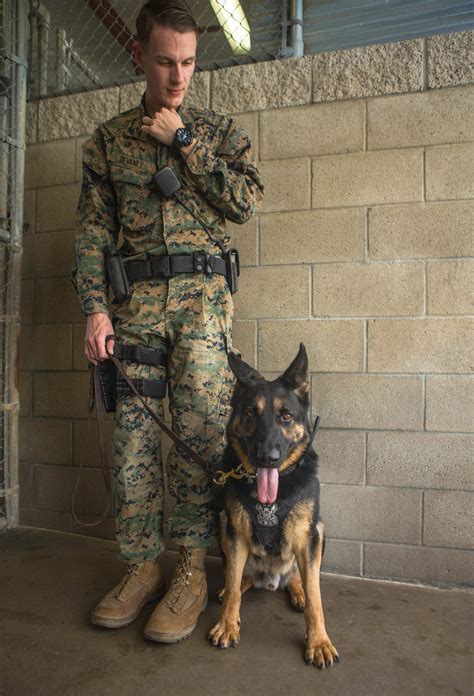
[13, 40]
[79, 45]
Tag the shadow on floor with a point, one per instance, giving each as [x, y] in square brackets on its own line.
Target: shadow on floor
[393, 638]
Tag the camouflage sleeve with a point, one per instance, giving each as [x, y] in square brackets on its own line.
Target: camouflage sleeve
[229, 179]
[97, 225]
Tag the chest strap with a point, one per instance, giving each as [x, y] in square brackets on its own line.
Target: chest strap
[168, 266]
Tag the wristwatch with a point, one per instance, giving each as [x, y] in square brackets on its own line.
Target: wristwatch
[182, 138]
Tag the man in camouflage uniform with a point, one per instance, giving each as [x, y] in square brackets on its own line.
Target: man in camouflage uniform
[188, 315]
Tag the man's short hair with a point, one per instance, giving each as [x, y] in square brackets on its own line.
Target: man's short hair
[166, 13]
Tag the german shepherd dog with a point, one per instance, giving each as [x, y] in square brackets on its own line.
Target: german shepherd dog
[273, 537]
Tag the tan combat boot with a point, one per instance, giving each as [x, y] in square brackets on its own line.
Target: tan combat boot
[177, 614]
[143, 583]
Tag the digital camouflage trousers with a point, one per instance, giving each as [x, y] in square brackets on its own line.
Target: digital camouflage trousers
[188, 316]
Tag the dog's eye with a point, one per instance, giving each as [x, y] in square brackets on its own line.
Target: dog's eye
[249, 413]
[287, 417]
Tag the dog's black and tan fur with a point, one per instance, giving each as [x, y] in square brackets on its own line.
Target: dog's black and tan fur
[269, 429]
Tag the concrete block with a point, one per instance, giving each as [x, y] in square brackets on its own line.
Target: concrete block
[273, 292]
[368, 401]
[50, 163]
[319, 129]
[449, 59]
[249, 122]
[244, 340]
[31, 122]
[86, 442]
[76, 114]
[46, 347]
[313, 236]
[79, 360]
[53, 488]
[449, 172]
[419, 460]
[27, 301]
[25, 473]
[379, 289]
[56, 207]
[420, 345]
[287, 185]
[421, 230]
[46, 519]
[48, 254]
[429, 118]
[267, 85]
[45, 440]
[61, 394]
[450, 287]
[392, 176]
[245, 238]
[79, 149]
[56, 302]
[341, 557]
[419, 564]
[130, 95]
[29, 212]
[26, 393]
[448, 519]
[332, 346]
[365, 513]
[450, 403]
[341, 456]
[368, 71]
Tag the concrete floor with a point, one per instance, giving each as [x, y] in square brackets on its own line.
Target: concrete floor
[392, 638]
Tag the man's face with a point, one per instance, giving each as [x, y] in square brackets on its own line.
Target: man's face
[168, 62]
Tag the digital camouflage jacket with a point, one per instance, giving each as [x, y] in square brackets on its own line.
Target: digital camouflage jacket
[120, 200]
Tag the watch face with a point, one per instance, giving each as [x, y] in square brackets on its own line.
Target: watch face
[182, 137]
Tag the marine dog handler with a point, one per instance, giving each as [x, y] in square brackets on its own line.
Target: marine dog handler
[175, 323]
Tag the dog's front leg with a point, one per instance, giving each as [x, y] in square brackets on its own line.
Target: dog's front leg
[226, 632]
[319, 649]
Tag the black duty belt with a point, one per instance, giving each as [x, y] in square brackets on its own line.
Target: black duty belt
[168, 266]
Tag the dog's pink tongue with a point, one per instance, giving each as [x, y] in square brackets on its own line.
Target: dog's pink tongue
[267, 484]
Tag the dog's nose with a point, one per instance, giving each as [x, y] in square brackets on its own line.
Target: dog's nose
[266, 458]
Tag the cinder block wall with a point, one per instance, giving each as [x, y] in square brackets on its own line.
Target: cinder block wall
[361, 251]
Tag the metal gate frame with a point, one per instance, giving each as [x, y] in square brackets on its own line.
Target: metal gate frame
[13, 82]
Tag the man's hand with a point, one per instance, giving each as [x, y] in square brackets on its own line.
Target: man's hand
[98, 328]
[163, 125]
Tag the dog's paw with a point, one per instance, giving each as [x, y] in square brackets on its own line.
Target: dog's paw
[320, 653]
[225, 634]
[297, 598]
[220, 594]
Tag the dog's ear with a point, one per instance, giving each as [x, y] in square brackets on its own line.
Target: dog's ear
[246, 375]
[296, 375]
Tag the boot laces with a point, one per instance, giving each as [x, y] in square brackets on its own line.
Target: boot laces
[132, 572]
[181, 577]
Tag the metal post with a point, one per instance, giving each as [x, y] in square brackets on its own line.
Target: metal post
[12, 256]
[296, 28]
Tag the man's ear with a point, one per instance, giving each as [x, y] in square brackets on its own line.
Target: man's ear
[137, 55]
[296, 375]
[246, 375]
